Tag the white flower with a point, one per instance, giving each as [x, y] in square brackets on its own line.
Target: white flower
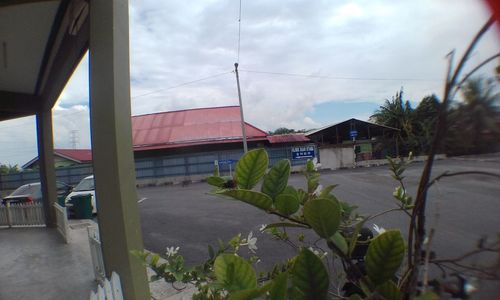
[171, 251]
[316, 164]
[251, 242]
[379, 230]
[262, 227]
[314, 251]
[318, 190]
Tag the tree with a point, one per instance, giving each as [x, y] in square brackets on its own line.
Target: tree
[474, 122]
[284, 130]
[9, 169]
[424, 122]
[398, 113]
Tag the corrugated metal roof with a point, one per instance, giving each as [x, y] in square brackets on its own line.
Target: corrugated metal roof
[190, 127]
[309, 133]
[78, 155]
[287, 138]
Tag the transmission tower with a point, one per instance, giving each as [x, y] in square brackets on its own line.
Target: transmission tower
[74, 139]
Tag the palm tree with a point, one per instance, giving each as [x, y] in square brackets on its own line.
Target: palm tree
[397, 113]
[475, 122]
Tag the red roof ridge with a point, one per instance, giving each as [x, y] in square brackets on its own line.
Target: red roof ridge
[187, 109]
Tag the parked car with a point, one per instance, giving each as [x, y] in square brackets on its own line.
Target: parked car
[32, 193]
[85, 187]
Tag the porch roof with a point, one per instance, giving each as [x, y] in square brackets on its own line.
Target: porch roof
[41, 43]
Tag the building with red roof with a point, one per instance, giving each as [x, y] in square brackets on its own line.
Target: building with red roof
[182, 132]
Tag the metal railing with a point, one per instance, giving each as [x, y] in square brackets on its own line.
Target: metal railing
[62, 221]
[22, 215]
[96, 253]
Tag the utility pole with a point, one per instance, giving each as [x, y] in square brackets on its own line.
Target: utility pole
[243, 129]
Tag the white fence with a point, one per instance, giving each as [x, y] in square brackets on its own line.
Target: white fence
[62, 221]
[96, 253]
[108, 289]
[22, 215]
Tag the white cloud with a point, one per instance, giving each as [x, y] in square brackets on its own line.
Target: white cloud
[174, 42]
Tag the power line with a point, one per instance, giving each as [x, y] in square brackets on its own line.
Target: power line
[239, 35]
[338, 77]
[181, 84]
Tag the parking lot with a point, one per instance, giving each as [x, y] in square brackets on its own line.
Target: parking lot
[462, 209]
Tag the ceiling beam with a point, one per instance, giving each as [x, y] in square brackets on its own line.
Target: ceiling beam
[63, 53]
[18, 102]
[18, 2]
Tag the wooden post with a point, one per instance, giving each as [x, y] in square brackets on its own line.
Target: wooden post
[111, 128]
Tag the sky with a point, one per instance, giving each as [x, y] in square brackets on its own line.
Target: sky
[303, 64]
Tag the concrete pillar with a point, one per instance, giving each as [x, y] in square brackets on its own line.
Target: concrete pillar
[46, 160]
[118, 212]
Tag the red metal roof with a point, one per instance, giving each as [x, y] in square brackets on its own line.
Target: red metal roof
[288, 138]
[78, 155]
[191, 127]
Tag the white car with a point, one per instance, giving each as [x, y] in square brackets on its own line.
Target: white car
[85, 187]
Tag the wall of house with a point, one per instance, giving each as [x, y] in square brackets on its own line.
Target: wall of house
[336, 157]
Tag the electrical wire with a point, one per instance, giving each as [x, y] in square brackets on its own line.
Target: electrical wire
[338, 77]
[181, 84]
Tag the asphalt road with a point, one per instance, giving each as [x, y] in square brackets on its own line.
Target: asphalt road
[461, 209]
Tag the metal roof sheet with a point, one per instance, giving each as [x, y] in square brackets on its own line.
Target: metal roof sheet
[189, 127]
[78, 155]
[288, 138]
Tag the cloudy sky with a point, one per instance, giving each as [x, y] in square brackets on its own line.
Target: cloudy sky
[303, 64]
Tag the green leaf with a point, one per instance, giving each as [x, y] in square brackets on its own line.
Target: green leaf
[251, 168]
[216, 181]
[247, 294]
[287, 204]
[279, 288]
[384, 256]
[323, 215]
[326, 191]
[309, 277]
[389, 291]
[234, 273]
[354, 237]
[257, 199]
[276, 180]
[290, 190]
[339, 242]
[302, 195]
[427, 296]
[285, 224]
[355, 297]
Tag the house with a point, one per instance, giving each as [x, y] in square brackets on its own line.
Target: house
[185, 144]
[350, 141]
[64, 158]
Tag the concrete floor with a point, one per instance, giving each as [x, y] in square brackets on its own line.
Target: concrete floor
[35, 263]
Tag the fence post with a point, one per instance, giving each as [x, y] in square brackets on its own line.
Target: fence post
[9, 219]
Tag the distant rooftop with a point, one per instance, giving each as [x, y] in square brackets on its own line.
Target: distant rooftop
[191, 127]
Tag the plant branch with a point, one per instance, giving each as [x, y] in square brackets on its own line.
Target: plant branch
[479, 66]
[448, 174]
[417, 222]
[387, 211]
[273, 212]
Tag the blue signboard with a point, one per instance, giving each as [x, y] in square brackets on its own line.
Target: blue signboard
[303, 152]
[353, 133]
[226, 161]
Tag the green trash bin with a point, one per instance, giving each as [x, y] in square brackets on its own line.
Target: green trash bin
[60, 200]
[82, 206]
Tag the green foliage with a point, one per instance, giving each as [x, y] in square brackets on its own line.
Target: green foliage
[309, 277]
[257, 199]
[234, 273]
[389, 290]
[280, 287]
[9, 169]
[287, 204]
[251, 168]
[276, 180]
[323, 215]
[384, 257]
